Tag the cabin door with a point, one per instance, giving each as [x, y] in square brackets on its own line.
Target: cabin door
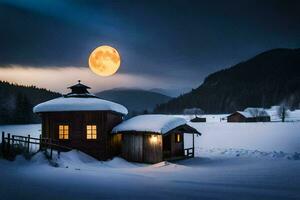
[167, 146]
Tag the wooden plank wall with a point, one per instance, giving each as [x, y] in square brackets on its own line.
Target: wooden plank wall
[177, 149]
[236, 117]
[114, 141]
[152, 150]
[77, 121]
[138, 147]
[116, 144]
[132, 147]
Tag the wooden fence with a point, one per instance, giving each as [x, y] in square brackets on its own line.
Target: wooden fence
[9, 143]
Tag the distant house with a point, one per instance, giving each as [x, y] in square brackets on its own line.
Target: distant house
[82, 121]
[154, 138]
[198, 119]
[249, 115]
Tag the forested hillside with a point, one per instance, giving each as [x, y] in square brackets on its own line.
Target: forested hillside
[270, 78]
[16, 102]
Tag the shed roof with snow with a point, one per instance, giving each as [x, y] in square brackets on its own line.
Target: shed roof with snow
[255, 112]
[245, 114]
[161, 124]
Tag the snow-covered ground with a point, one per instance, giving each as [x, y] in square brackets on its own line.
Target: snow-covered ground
[233, 161]
[260, 136]
[215, 177]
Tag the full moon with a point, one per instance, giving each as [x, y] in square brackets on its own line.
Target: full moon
[104, 61]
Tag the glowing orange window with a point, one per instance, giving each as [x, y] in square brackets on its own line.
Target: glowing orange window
[178, 137]
[63, 133]
[91, 132]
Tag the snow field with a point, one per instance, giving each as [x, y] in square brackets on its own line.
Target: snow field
[236, 161]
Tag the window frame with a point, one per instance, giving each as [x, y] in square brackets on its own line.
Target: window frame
[65, 131]
[93, 135]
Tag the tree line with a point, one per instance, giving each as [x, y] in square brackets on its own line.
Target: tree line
[270, 78]
[17, 102]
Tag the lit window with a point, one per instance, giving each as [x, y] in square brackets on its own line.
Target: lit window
[178, 137]
[63, 132]
[91, 132]
[153, 139]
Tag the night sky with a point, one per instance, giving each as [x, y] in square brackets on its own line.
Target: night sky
[163, 44]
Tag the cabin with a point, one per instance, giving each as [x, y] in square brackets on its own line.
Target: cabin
[246, 116]
[80, 120]
[154, 138]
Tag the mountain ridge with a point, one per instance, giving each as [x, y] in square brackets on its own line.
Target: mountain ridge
[269, 78]
[136, 100]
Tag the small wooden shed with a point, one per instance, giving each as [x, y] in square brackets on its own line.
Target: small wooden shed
[80, 120]
[244, 116]
[154, 138]
[198, 119]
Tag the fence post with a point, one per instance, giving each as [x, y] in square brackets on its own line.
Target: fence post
[12, 144]
[193, 145]
[28, 144]
[40, 142]
[8, 143]
[3, 143]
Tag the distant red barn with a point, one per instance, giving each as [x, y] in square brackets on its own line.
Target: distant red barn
[242, 116]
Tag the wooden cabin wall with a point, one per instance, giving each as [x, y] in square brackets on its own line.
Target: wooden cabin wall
[114, 141]
[132, 147]
[152, 150]
[258, 119]
[177, 148]
[116, 145]
[139, 147]
[45, 126]
[236, 117]
[173, 149]
[77, 121]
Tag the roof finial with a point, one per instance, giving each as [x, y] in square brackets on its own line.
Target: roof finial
[79, 81]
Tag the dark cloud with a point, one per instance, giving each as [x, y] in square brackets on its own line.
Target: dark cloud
[177, 39]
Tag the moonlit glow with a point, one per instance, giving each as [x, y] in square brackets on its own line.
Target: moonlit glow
[54, 78]
[104, 61]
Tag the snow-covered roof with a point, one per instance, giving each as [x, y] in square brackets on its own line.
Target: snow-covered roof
[245, 114]
[79, 104]
[150, 123]
[257, 112]
[253, 112]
